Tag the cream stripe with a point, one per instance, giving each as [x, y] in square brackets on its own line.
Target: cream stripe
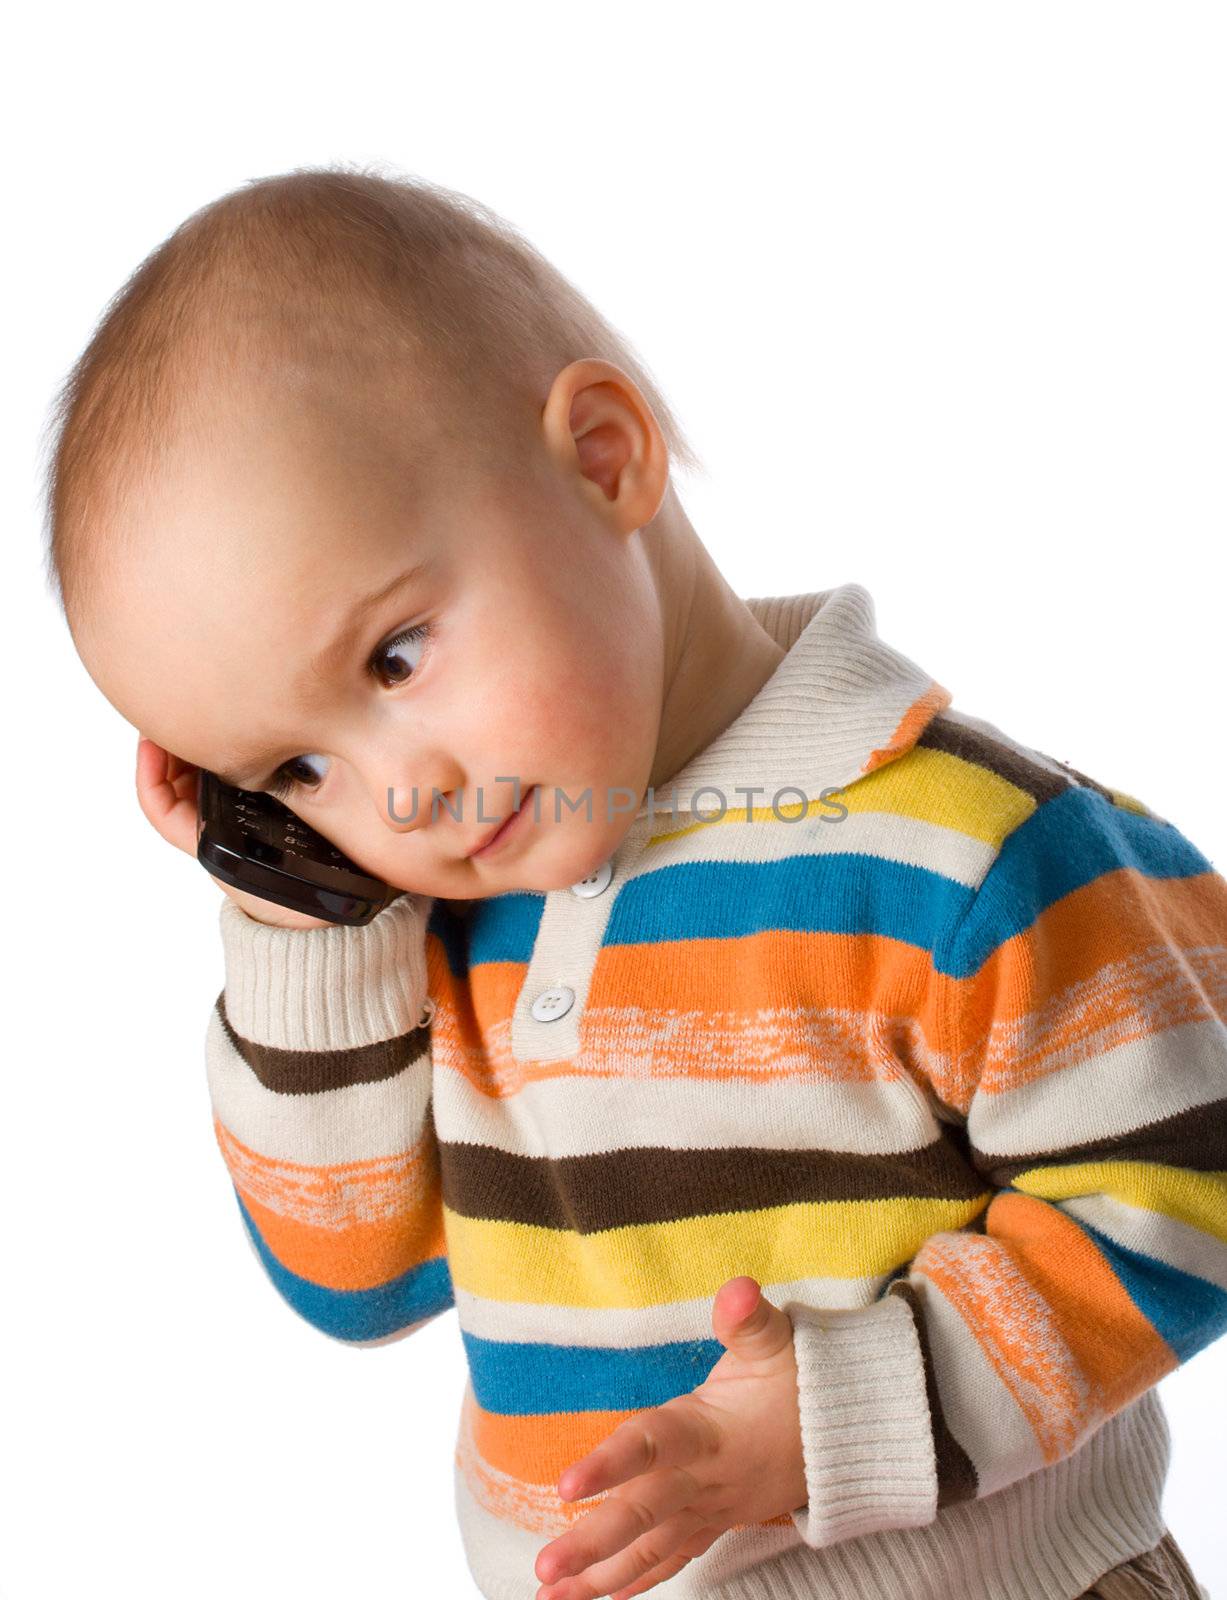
[890, 835]
[1113, 1092]
[566, 1115]
[358, 1123]
[1165, 1238]
[497, 1549]
[325, 988]
[979, 1410]
[639, 1326]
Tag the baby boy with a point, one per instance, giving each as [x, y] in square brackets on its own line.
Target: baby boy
[810, 1098]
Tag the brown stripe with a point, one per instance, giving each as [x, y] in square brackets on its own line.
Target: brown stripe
[623, 1188]
[1195, 1140]
[972, 745]
[1086, 783]
[956, 1474]
[314, 1071]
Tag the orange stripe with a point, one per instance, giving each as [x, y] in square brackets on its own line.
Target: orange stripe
[351, 1226]
[539, 1448]
[778, 968]
[465, 1030]
[512, 1464]
[1052, 1317]
[875, 1004]
[1113, 961]
[912, 725]
[1116, 1346]
[1110, 919]
[736, 1003]
[495, 988]
[865, 974]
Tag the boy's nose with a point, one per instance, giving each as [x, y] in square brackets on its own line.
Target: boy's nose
[407, 807]
[403, 778]
[420, 794]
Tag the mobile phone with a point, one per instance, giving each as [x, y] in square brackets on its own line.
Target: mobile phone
[251, 841]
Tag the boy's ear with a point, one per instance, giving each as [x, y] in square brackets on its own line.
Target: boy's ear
[597, 424]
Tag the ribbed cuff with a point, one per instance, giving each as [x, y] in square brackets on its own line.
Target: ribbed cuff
[866, 1432]
[332, 988]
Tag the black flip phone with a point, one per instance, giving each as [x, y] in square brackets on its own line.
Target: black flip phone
[251, 841]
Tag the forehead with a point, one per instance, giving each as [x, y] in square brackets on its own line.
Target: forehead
[241, 562]
[283, 485]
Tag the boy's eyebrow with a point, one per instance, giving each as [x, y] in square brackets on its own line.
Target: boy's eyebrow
[245, 772]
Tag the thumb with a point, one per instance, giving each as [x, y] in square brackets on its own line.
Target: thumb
[744, 1320]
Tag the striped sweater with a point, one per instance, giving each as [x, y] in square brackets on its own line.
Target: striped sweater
[922, 1028]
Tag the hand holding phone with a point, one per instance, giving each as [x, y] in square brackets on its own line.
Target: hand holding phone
[268, 861]
[252, 842]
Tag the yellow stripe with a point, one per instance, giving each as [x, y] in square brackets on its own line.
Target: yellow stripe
[1128, 803]
[1196, 1198]
[654, 1263]
[955, 794]
[928, 785]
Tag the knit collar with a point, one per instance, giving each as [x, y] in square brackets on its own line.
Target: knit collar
[841, 703]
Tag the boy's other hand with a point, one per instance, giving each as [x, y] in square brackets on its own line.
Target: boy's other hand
[727, 1453]
[167, 790]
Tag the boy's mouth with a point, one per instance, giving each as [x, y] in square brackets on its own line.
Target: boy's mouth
[502, 831]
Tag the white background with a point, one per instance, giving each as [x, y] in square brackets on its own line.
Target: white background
[937, 291]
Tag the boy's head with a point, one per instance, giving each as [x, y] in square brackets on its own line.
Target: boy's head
[315, 384]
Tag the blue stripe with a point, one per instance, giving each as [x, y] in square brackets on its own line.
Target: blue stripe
[1189, 1312]
[503, 927]
[830, 893]
[521, 1380]
[1064, 844]
[424, 1291]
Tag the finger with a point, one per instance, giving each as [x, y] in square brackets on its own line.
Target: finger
[152, 790]
[150, 759]
[633, 1563]
[186, 785]
[618, 1520]
[183, 777]
[672, 1435]
[680, 1558]
[166, 793]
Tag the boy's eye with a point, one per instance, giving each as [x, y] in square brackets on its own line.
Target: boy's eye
[401, 648]
[285, 780]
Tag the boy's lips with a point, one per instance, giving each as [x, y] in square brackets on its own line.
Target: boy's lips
[501, 830]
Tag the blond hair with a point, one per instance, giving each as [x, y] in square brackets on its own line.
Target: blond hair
[337, 264]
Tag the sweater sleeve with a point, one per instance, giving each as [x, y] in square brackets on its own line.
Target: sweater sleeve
[319, 1072]
[1077, 1030]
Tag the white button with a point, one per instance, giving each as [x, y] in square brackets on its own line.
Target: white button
[551, 1004]
[595, 883]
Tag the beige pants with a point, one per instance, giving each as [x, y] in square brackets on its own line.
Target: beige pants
[1159, 1574]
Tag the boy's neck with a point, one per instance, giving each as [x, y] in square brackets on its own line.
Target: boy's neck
[717, 655]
